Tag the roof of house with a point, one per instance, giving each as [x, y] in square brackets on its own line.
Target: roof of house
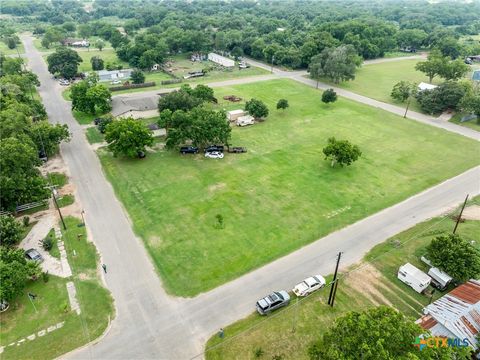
[415, 272]
[121, 105]
[457, 312]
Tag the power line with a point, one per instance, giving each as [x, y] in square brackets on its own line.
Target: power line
[330, 284]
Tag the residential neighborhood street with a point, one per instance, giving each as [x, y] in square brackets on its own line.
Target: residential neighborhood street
[151, 324]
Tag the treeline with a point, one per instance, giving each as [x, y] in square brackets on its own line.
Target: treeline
[25, 136]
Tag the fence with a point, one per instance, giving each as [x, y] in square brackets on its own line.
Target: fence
[132, 86]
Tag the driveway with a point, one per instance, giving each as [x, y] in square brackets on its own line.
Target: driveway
[149, 323]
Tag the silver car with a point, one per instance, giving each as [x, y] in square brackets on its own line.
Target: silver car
[272, 302]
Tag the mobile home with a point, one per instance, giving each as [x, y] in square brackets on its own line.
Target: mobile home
[413, 277]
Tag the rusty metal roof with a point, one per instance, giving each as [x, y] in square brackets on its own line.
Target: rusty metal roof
[458, 312]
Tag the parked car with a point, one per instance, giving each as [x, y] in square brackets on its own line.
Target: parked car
[189, 150]
[237, 149]
[42, 156]
[211, 148]
[272, 302]
[97, 121]
[64, 82]
[141, 154]
[116, 82]
[34, 255]
[214, 155]
[309, 285]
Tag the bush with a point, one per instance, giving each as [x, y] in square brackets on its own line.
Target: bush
[258, 352]
[102, 124]
[329, 96]
[45, 276]
[137, 77]
[132, 86]
[97, 63]
[10, 231]
[26, 221]
[171, 81]
[47, 243]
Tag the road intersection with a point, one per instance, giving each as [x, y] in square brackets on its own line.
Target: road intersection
[149, 323]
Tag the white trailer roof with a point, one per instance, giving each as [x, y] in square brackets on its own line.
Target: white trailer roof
[424, 86]
[439, 274]
[235, 112]
[415, 272]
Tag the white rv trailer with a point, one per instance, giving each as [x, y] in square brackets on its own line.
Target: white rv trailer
[413, 277]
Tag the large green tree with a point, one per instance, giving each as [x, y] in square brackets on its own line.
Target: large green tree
[456, 256]
[128, 137]
[64, 61]
[20, 180]
[337, 64]
[15, 271]
[256, 108]
[341, 152]
[90, 97]
[10, 231]
[381, 333]
[433, 66]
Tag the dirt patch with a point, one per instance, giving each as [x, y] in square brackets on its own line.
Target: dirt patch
[471, 213]
[155, 241]
[67, 189]
[83, 276]
[218, 186]
[54, 164]
[364, 281]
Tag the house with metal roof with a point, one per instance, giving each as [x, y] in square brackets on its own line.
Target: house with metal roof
[456, 314]
[109, 75]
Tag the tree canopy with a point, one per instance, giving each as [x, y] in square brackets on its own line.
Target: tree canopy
[456, 256]
[89, 96]
[337, 64]
[341, 152]
[128, 137]
[64, 61]
[256, 108]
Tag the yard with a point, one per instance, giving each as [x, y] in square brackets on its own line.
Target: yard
[289, 332]
[51, 306]
[4, 50]
[278, 196]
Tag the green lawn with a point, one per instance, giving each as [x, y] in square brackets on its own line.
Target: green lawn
[94, 136]
[472, 124]
[4, 50]
[108, 56]
[377, 80]
[66, 200]
[58, 179]
[84, 118]
[54, 251]
[52, 306]
[291, 331]
[278, 196]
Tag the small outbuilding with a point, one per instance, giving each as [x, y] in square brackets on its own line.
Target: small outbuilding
[425, 86]
[235, 114]
[221, 60]
[476, 75]
[106, 75]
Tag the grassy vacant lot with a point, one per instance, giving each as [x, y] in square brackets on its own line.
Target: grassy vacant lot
[52, 306]
[377, 80]
[108, 56]
[278, 196]
[4, 50]
[372, 283]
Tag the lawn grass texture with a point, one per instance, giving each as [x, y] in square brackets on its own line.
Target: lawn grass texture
[312, 316]
[66, 200]
[58, 179]
[376, 81]
[94, 136]
[4, 50]
[279, 196]
[108, 56]
[52, 306]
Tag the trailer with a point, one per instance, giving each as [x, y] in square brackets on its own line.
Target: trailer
[414, 277]
[245, 120]
[440, 279]
[233, 115]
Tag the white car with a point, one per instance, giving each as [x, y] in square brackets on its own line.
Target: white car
[64, 82]
[309, 285]
[116, 82]
[214, 155]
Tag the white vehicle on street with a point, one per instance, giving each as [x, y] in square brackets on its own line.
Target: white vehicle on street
[309, 285]
[64, 82]
[214, 155]
[116, 82]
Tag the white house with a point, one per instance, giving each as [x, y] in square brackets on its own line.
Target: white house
[221, 60]
[106, 75]
[455, 315]
[425, 86]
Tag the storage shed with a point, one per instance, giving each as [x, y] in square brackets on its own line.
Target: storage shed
[221, 60]
[235, 114]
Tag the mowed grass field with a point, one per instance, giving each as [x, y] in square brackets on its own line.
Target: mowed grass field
[282, 194]
[377, 80]
[371, 283]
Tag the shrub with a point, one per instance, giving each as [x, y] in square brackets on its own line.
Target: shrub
[26, 221]
[132, 86]
[47, 243]
[171, 81]
[258, 352]
[329, 96]
[45, 276]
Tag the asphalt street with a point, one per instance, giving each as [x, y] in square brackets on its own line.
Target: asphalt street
[150, 324]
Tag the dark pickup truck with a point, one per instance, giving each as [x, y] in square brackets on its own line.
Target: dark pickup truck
[237, 149]
[214, 148]
[189, 150]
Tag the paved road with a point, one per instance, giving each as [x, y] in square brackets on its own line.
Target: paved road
[152, 325]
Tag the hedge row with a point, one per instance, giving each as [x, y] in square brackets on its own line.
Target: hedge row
[132, 86]
[171, 81]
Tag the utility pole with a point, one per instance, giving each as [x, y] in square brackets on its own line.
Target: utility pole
[330, 302]
[273, 58]
[335, 285]
[58, 208]
[460, 216]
